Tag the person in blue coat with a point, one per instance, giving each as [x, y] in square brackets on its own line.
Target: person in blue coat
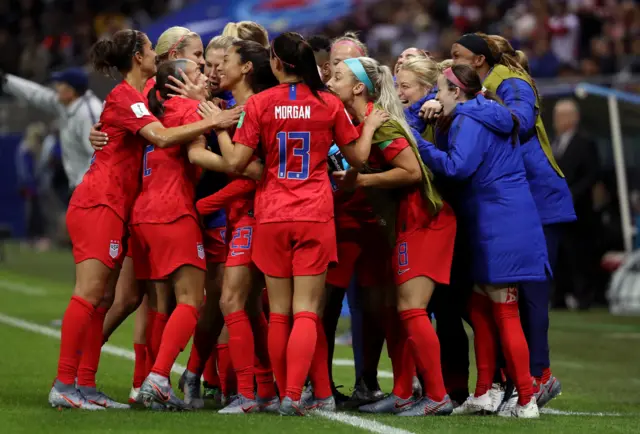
[495, 61]
[497, 209]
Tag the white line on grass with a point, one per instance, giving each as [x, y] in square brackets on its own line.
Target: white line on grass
[553, 411]
[355, 421]
[22, 289]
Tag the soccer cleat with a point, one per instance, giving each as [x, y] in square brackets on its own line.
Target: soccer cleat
[341, 398]
[190, 385]
[548, 391]
[241, 405]
[288, 407]
[327, 404]
[508, 405]
[529, 411]
[66, 396]
[134, 396]
[307, 395]
[480, 405]
[156, 388]
[269, 405]
[428, 407]
[96, 397]
[496, 393]
[212, 392]
[391, 404]
[416, 386]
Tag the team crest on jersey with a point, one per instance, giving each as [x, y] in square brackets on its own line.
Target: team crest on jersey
[241, 120]
[200, 250]
[140, 110]
[114, 249]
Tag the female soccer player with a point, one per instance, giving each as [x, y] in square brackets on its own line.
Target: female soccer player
[295, 124]
[422, 219]
[505, 234]
[104, 198]
[501, 74]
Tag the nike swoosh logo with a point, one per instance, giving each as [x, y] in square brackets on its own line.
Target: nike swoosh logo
[163, 396]
[403, 271]
[248, 409]
[403, 405]
[74, 404]
[101, 404]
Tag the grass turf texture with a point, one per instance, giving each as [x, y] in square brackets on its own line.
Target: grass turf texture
[595, 355]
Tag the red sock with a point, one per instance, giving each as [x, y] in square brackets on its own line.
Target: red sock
[546, 376]
[140, 365]
[75, 324]
[225, 371]
[300, 350]
[514, 345]
[210, 372]
[148, 333]
[279, 331]
[91, 349]
[200, 350]
[242, 350]
[175, 337]
[485, 340]
[319, 372]
[400, 354]
[425, 348]
[264, 373]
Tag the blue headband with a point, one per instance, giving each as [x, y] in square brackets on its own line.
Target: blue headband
[358, 70]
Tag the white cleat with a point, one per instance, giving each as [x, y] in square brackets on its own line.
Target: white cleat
[529, 411]
[496, 393]
[508, 406]
[134, 396]
[480, 405]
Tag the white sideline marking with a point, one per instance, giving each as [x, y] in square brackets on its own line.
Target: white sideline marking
[22, 289]
[553, 411]
[347, 362]
[355, 421]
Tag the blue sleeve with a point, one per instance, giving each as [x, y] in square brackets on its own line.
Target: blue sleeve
[519, 97]
[465, 152]
[423, 145]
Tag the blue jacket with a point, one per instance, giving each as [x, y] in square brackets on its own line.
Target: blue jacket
[494, 201]
[550, 191]
[412, 113]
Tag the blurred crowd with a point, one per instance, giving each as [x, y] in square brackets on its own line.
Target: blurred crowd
[562, 38]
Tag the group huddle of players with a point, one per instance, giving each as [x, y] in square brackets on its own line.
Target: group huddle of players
[300, 166]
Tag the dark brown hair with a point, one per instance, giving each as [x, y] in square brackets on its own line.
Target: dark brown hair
[159, 93]
[117, 52]
[261, 77]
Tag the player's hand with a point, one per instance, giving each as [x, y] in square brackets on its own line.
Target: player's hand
[219, 102]
[97, 138]
[346, 179]
[431, 110]
[197, 91]
[220, 119]
[376, 118]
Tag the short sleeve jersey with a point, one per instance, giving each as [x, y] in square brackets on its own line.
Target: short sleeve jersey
[113, 179]
[168, 178]
[412, 208]
[293, 131]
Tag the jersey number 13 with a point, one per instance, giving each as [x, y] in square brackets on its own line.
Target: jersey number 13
[289, 142]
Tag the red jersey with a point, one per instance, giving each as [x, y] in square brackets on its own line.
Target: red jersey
[147, 87]
[168, 178]
[412, 211]
[241, 206]
[113, 179]
[295, 131]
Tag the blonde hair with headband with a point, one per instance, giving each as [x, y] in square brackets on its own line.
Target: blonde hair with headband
[351, 39]
[247, 30]
[173, 39]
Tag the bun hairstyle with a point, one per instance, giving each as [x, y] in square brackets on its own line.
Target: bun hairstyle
[261, 77]
[117, 52]
[248, 31]
[426, 70]
[159, 93]
[173, 39]
[467, 76]
[296, 56]
[505, 55]
[351, 38]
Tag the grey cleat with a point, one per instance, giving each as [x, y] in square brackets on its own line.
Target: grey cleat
[96, 397]
[269, 405]
[288, 407]
[327, 404]
[307, 395]
[156, 388]
[391, 404]
[417, 388]
[549, 390]
[241, 405]
[428, 407]
[67, 396]
[189, 384]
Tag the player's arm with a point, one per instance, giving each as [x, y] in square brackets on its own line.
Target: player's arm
[236, 155]
[200, 156]
[225, 196]
[357, 153]
[406, 171]
[162, 137]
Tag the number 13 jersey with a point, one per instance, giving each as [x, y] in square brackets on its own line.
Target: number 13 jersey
[293, 131]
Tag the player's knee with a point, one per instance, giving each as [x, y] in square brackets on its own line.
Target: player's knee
[231, 301]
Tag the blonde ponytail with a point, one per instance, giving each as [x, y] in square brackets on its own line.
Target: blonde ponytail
[173, 39]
